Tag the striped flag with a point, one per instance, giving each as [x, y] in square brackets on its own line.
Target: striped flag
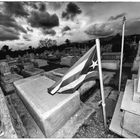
[77, 74]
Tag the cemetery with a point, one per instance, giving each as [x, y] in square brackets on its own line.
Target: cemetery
[31, 112]
[66, 76]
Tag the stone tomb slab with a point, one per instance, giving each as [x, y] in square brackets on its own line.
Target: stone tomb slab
[127, 102]
[131, 123]
[110, 64]
[50, 112]
[116, 121]
[136, 96]
[32, 72]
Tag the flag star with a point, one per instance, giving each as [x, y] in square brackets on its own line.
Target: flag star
[94, 64]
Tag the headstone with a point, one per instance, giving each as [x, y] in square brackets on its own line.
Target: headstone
[7, 81]
[50, 112]
[68, 60]
[110, 64]
[4, 68]
[31, 72]
[111, 56]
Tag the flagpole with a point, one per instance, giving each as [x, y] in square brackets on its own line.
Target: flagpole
[122, 46]
[101, 79]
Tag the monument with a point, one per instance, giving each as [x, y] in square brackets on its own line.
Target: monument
[126, 118]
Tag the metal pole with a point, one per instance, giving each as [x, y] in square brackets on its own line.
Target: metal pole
[120, 76]
[101, 79]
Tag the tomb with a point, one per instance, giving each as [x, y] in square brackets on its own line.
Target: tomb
[111, 56]
[7, 78]
[68, 60]
[110, 64]
[30, 70]
[50, 112]
[126, 118]
[111, 60]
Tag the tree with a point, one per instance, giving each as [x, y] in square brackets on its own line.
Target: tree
[5, 48]
[67, 41]
[47, 43]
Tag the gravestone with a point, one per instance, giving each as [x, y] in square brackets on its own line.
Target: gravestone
[4, 68]
[136, 97]
[111, 56]
[50, 112]
[68, 60]
[110, 64]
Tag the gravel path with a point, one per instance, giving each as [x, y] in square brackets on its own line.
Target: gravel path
[94, 126]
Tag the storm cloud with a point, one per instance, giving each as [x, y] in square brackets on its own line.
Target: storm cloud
[9, 28]
[8, 33]
[72, 10]
[8, 21]
[55, 5]
[117, 16]
[30, 30]
[100, 30]
[43, 20]
[66, 28]
[42, 7]
[27, 37]
[49, 32]
[132, 27]
[15, 8]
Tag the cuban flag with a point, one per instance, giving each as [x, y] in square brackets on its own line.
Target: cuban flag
[77, 74]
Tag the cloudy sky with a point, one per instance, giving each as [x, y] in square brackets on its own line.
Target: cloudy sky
[25, 23]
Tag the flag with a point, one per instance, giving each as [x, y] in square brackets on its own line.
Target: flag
[77, 74]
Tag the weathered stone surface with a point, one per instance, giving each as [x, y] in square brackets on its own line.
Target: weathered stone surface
[50, 112]
[127, 103]
[110, 64]
[136, 96]
[31, 72]
[41, 62]
[73, 124]
[116, 122]
[68, 61]
[17, 123]
[33, 131]
[138, 82]
[9, 131]
[111, 56]
[132, 123]
[135, 66]
[4, 68]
